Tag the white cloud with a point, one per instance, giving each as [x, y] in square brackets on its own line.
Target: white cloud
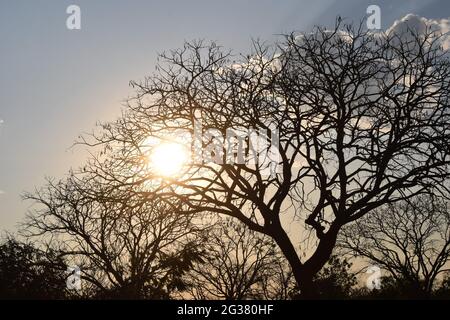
[2, 192]
[420, 26]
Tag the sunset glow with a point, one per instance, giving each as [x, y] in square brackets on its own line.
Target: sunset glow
[168, 159]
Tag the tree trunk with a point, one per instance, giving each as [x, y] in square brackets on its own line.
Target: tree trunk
[305, 282]
[304, 273]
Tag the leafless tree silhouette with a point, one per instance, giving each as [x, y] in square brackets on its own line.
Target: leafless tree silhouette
[361, 120]
[128, 250]
[279, 283]
[236, 264]
[411, 240]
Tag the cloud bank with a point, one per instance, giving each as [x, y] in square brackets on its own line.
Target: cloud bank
[421, 25]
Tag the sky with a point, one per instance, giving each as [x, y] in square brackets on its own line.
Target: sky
[56, 83]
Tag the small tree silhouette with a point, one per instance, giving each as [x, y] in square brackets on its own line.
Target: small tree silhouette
[129, 249]
[410, 240]
[234, 265]
[27, 272]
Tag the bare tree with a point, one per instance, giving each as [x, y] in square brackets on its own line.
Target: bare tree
[360, 120]
[279, 283]
[411, 240]
[235, 264]
[128, 250]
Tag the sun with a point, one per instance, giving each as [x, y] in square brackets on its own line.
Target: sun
[168, 159]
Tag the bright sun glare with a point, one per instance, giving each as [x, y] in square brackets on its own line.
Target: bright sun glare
[167, 159]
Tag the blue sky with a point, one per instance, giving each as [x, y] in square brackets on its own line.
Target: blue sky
[56, 83]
